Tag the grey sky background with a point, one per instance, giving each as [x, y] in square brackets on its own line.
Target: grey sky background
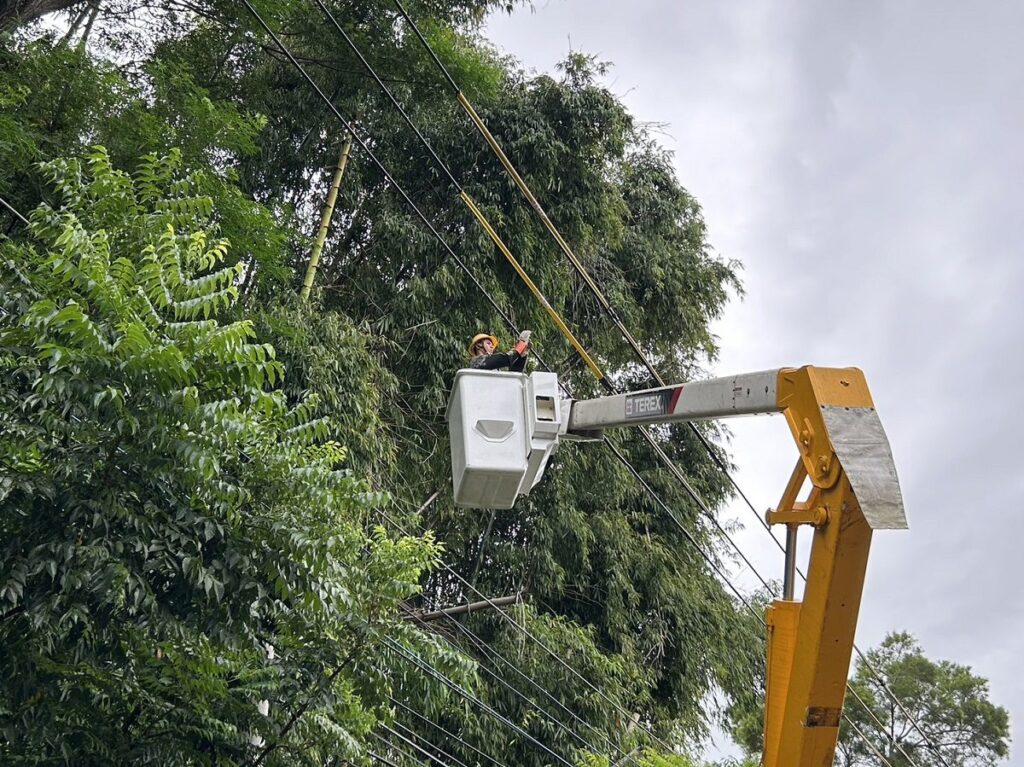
[864, 161]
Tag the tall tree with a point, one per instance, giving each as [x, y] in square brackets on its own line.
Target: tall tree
[961, 726]
[177, 542]
[608, 579]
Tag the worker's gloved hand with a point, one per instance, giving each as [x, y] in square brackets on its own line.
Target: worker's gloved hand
[522, 344]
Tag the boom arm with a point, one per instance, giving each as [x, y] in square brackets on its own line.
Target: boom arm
[844, 451]
[854, 490]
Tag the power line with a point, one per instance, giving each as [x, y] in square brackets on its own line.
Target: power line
[877, 721]
[899, 704]
[614, 316]
[435, 673]
[373, 73]
[488, 652]
[408, 741]
[432, 745]
[381, 759]
[373, 157]
[391, 180]
[459, 690]
[14, 212]
[434, 724]
[867, 741]
[23, 219]
[551, 653]
[673, 468]
[392, 747]
[423, 218]
[593, 286]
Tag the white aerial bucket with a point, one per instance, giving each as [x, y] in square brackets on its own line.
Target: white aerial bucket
[503, 429]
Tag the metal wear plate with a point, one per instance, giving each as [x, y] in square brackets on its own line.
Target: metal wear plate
[863, 449]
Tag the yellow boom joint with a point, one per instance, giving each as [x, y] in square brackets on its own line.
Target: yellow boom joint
[833, 421]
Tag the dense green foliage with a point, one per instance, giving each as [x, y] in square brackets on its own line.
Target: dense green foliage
[961, 726]
[196, 479]
[944, 699]
[166, 516]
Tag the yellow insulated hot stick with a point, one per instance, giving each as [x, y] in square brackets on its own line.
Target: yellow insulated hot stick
[530, 284]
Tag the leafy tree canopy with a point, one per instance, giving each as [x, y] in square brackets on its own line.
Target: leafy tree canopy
[166, 517]
[607, 579]
[944, 699]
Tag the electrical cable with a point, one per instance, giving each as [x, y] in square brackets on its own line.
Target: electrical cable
[481, 646]
[23, 219]
[436, 674]
[409, 201]
[382, 760]
[405, 755]
[372, 72]
[559, 322]
[614, 316]
[373, 157]
[16, 214]
[434, 724]
[521, 629]
[899, 704]
[877, 721]
[387, 175]
[418, 212]
[489, 653]
[417, 747]
[555, 234]
[413, 733]
[867, 741]
[464, 196]
[459, 690]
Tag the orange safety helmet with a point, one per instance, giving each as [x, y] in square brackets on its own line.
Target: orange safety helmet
[481, 337]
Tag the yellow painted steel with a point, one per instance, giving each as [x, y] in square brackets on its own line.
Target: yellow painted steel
[805, 706]
[325, 219]
[782, 618]
[482, 219]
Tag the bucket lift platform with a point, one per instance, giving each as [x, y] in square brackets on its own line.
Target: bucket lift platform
[504, 427]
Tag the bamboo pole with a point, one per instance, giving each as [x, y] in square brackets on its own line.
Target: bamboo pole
[464, 609]
[88, 24]
[325, 219]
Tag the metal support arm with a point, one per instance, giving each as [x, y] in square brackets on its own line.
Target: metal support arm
[505, 426]
[749, 394]
[845, 453]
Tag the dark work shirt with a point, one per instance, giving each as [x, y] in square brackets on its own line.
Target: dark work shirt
[510, 360]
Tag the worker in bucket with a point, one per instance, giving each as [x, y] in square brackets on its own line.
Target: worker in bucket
[484, 355]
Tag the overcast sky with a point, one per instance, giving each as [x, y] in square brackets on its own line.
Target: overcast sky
[864, 162]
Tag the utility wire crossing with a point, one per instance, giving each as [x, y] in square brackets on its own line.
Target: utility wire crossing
[638, 351]
[485, 224]
[564, 246]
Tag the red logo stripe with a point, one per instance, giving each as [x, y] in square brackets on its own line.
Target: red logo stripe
[675, 399]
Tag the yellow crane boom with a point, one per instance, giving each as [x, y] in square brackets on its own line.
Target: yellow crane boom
[505, 426]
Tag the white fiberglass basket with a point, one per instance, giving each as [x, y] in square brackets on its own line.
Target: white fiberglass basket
[503, 428]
